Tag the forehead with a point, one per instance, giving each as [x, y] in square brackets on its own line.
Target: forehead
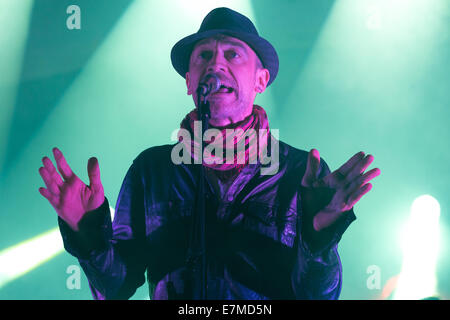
[223, 39]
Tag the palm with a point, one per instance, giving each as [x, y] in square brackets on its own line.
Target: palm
[349, 183]
[76, 198]
[69, 196]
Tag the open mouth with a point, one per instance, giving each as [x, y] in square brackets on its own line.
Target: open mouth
[224, 89]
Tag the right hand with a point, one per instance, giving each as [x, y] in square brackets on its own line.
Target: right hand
[70, 197]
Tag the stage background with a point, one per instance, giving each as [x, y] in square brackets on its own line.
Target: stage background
[354, 75]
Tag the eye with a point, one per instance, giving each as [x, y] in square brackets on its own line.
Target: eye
[231, 54]
[206, 55]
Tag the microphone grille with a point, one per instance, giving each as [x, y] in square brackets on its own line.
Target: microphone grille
[213, 82]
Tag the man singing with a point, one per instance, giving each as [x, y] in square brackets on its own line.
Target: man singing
[268, 236]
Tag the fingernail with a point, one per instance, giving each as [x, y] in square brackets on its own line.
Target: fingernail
[56, 152]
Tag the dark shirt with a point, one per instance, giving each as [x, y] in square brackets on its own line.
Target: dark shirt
[260, 242]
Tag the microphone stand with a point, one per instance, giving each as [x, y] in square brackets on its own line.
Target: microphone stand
[197, 246]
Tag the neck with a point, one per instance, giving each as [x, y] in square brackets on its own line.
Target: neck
[220, 120]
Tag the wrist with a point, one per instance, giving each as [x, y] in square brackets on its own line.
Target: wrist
[325, 218]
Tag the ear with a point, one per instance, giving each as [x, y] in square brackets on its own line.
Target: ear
[262, 78]
[188, 83]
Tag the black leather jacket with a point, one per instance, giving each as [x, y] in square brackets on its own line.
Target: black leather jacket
[257, 235]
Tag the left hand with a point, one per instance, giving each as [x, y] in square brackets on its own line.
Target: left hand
[349, 184]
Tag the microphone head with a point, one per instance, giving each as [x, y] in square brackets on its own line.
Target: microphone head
[209, 84]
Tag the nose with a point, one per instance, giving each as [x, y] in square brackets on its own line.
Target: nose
[217, 63]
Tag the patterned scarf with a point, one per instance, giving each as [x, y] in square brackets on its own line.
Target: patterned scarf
[253, 144]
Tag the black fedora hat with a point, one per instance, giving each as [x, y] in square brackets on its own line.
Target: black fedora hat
[231, 23]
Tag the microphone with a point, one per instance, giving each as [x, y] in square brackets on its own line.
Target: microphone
[208, 85]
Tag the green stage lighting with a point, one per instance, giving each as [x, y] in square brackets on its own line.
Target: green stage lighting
[28, 255]
[15, 17]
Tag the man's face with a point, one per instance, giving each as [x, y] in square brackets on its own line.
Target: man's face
[239, 71]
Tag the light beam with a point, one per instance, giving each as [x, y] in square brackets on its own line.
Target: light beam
[420, 244]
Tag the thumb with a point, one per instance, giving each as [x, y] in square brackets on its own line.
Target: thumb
[94, 174]
[312, 168]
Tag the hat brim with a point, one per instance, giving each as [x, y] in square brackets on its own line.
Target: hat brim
[181, 51]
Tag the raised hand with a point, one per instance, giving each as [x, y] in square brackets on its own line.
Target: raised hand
[70, 197]
[350, 182]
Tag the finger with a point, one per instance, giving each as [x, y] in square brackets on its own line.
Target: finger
[359, 168]
[49, 196]
[346, 167]
[369, 175]
[94, 174]
[312, 168]
[363, 179]
[45, 193]
[357, 195]
[62, 165]
[338, 177]
[51, 185]
[48, 164]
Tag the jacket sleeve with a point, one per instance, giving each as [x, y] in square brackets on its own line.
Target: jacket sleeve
[317, 271]
[112, 255]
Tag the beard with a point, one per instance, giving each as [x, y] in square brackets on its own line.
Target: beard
[223, 111]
